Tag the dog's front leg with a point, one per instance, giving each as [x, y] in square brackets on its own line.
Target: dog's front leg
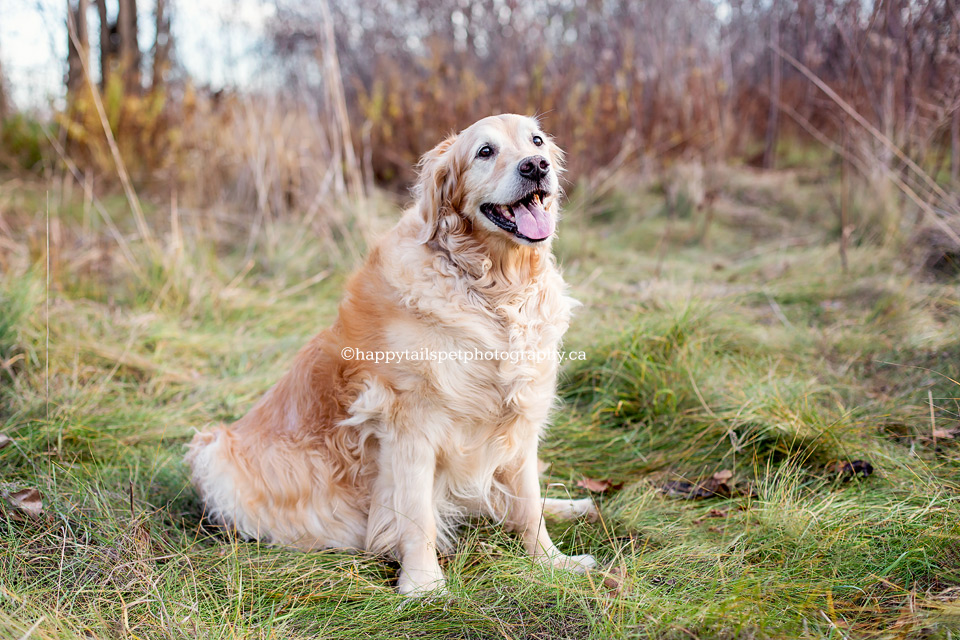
[526, 514]
[402, 520]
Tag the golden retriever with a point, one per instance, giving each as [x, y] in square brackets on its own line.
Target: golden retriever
[389, 454]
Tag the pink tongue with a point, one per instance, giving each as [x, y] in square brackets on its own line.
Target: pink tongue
[533, 221]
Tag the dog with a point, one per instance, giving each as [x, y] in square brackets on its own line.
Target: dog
[390, 455]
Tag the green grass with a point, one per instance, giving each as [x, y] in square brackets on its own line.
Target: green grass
[751, 352]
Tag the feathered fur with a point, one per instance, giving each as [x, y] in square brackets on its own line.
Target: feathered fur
[391, 457]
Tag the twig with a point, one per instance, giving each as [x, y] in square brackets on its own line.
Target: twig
[903, 186]
[933, 419]
[853, 113]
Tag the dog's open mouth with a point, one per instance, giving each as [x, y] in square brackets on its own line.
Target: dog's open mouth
[526, 218]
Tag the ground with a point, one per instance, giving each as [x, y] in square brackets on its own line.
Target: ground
[729, 356]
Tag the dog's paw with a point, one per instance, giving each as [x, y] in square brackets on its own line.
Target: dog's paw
[435, 594]
[590, 511]
[584, 508]
[577, 564]
[435, 588]
[580, 564]
[563, 510]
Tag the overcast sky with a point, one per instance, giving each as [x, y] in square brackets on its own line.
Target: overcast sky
[215, 42]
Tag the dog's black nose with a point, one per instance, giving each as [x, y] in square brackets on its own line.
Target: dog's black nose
[534, 168]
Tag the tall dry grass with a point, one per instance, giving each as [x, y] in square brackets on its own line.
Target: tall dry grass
[625, 86]
[676, 77]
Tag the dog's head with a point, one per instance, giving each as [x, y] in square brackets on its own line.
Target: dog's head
[499, 178]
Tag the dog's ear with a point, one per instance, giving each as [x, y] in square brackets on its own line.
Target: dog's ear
[436, 187]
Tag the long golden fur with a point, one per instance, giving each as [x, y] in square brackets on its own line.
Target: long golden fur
[390, 457]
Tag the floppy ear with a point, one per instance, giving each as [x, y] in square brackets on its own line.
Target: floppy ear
[435, 187]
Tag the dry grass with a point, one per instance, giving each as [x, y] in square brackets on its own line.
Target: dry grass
[756, 355]
[766, 325]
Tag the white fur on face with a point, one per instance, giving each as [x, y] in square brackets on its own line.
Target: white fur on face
[496, 179]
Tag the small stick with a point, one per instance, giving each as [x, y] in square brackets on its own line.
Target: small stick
[933, 420]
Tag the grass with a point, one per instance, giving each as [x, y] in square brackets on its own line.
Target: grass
[752, 353]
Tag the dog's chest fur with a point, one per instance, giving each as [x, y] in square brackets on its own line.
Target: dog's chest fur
[484, 389]
[492, 351]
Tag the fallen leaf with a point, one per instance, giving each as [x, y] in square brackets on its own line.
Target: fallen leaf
[710, 488]
[848, 469]
[658, 580]
[716, 513]
[28, 501]
[723, 476]
[599, 486]
[940, 434]
[5, 440]
[613, 580]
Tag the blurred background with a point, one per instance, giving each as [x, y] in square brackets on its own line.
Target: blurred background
[277, 104]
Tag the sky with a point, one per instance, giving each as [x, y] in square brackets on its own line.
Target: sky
[214, 39]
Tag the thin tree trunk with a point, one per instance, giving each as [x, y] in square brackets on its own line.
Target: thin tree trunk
[845, 229]
[891, 76]
[773, 116]
[161, 46]
[129, 45]
[78, 44]
[333, 81]
[105, 50]
[955, 147]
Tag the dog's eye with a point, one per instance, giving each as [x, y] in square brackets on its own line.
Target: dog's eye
[537, 140]
[485, 151]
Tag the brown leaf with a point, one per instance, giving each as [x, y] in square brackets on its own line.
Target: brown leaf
[28, 501]
[613, 580]
[710, 488]
[660, 580]
[716, 486]
[942, 434]
[599, 486]
[848, 469]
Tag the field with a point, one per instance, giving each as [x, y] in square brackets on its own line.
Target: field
[729, 354]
